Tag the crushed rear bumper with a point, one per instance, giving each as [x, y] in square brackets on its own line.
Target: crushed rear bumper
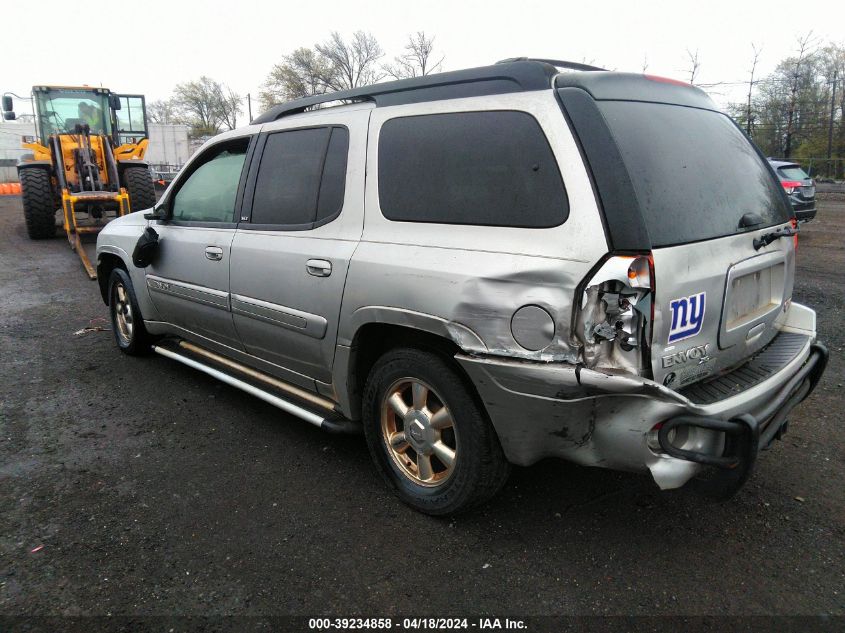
[608, 420]
[746, 434]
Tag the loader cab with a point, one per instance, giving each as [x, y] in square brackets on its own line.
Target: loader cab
[123, 118]
[59, 110]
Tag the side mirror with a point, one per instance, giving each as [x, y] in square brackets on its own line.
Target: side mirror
[9, 116]
[7, 103]
[146, 248]
[159, 213]
[114, 102]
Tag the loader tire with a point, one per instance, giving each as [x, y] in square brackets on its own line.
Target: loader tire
[139, 186]
[39, 208]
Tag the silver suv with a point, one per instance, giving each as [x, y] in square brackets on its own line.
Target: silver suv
[482, 268]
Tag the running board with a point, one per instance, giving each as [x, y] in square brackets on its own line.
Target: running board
[331, 424]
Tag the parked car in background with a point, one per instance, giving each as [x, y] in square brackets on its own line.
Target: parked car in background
[799, 187]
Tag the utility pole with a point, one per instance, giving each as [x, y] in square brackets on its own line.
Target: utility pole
[830, 124]
[249, 105]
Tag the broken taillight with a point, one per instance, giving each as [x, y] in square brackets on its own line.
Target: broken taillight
[616, 313]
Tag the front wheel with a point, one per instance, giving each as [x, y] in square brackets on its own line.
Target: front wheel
[428, 436]
[39, 202]
[127, 324]
[139, 186]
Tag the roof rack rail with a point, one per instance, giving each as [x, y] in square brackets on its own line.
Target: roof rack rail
[557, 63]
[505, 77]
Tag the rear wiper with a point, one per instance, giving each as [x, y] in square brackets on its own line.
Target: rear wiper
[768, 238]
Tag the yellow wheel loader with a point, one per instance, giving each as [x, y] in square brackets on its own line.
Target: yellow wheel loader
[87, 161]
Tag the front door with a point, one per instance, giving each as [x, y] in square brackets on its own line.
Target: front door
[189, 280]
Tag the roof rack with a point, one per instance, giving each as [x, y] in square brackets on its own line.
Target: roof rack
[557, 63]
[507, 76]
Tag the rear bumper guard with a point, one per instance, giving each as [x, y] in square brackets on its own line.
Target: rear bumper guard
[746, 435]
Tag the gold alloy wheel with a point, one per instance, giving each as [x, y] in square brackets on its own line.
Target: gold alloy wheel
[123, 313]
[418, 430]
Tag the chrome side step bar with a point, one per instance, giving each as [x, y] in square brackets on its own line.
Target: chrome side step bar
[327, 424]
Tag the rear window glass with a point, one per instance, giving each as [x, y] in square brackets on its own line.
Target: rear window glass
[792, 173]
[695, 174]
[481, 168]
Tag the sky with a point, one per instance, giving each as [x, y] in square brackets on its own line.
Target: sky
[159, 44]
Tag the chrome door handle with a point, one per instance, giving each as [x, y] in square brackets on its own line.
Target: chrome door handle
[214, 253]
[318, 267]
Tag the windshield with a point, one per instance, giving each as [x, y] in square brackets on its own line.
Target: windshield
[792, 172]
[694, 173]
[60, 110]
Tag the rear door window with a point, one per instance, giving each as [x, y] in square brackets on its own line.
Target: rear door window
[694, 173]
[301, 179]
[480, 168]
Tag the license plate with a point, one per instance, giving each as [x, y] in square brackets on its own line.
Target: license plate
[753, 295]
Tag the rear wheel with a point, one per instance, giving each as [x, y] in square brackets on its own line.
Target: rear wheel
[38, 198]
[139, 186]
[428, 436]
[127, 324]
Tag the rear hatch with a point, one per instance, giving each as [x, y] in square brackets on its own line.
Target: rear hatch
[678, 180]
[797, 184]
[705, 193]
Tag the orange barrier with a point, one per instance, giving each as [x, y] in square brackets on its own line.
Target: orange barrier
[10, 189]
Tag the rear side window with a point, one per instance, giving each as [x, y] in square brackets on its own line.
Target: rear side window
[301, 178]
[694, 173]
[481, 168]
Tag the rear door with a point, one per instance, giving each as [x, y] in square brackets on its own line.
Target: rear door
[303, 217]
[705, 193]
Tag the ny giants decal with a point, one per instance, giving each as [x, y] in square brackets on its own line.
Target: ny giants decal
[687, 316]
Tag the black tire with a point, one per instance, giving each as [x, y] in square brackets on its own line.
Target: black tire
[38, 198]
[479, 469]
[139, 186]
[134, 340]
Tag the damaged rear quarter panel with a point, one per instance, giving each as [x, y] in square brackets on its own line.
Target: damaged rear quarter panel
[475, 277]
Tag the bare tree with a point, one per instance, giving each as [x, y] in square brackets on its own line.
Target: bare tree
[299, 75]
[748, 116]
[350, 64]
[161, 111]
[205, 105]
[417, 60]
[803, 54]
[645, 63]
[228, 105]
[695, 65]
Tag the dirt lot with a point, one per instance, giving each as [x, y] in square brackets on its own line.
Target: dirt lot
[140, 487]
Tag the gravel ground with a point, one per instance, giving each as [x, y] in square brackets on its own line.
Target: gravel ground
[140, 487]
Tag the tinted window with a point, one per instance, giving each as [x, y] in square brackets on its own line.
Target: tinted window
[694, 173]
[208, 195]
[301, 172]
[483, 168]
[334, 175]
